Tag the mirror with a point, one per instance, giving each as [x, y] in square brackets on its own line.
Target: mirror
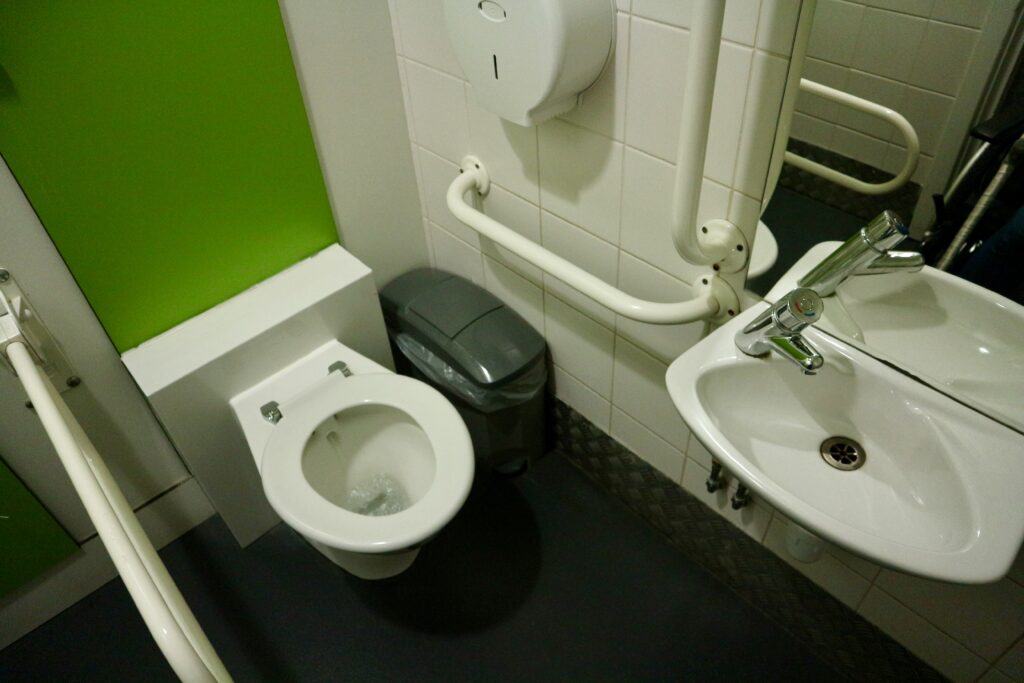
[945, 68]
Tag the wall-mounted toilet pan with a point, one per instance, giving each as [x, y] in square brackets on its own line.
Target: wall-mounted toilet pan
[367, 465]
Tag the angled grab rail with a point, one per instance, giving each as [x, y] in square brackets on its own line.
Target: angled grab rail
[714, 298]
[164, 610]
[901, 124]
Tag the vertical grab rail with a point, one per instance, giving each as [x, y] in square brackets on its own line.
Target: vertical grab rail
[167, 615]
[718, 240]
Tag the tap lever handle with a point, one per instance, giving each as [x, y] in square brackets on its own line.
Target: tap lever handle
[797, 309]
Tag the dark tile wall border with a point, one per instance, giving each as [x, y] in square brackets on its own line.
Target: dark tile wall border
[841, 637]
[902, 201]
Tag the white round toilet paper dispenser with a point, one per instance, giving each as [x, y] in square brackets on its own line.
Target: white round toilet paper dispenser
[529, 60]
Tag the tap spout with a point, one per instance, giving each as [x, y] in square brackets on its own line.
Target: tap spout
[894, 262]
[798, 350]
[859, 253]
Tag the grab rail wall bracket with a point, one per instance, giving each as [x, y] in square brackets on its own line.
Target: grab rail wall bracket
[18, 322]
[714, 299]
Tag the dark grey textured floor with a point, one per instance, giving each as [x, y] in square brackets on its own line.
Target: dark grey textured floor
[840, 636]
[543, 578]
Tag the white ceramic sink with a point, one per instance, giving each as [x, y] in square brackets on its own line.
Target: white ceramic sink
[961, 338]
[939, 490]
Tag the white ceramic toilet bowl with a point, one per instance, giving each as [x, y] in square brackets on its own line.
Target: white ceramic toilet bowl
[350, 451]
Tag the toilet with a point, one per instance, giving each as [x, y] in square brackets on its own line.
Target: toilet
[366, 464]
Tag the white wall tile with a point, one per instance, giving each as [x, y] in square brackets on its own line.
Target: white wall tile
[1017, 570]
[927, 113]
[424, 35]
[647, 445]
[752, 519]
[438, 111]
[918, 8]
[970, 13]
[987, 619]
[835, 577]
[836, 27]
[739, 24]
[395, 32]
[767, 83]
[917, 635]
[858, 146]
[597, 257]
[900, 34]
[866, 568]
[435, 175]
[525, 298]
[508, 151]
[580, 345]
[883, 91]
[696, 451]
[582, 398]
[406, 99]
[604, 104]
[657, 79]
[777, 26]
[664, 342]
[745, 213]
[581, 174]
[455, 256]
[646, 213]
[826, 73]
[942, 59]
[812, 130]
[519, 215]
[640, 392]
[727, 112]
[1012, 663]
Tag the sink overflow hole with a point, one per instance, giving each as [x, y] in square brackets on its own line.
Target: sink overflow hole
[843, 453]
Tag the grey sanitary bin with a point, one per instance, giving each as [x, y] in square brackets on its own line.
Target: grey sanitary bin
[482, 355]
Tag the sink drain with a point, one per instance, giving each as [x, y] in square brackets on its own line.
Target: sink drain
[842, 453]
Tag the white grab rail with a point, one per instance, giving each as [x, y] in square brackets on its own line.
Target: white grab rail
[718, 242]
[711, 292]
[167, 615]
[901, 124]
[694, 124]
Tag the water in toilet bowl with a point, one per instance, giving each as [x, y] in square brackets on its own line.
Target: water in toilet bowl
[377, 496]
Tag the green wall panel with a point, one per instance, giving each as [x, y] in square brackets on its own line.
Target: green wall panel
[30, 539]
[165, 146]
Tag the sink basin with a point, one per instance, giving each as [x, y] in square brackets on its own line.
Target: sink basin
[938, 491]
[962, 339]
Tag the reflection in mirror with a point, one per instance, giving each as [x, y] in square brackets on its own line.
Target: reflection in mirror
[953, 70]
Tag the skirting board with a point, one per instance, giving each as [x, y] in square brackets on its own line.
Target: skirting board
[164, 519]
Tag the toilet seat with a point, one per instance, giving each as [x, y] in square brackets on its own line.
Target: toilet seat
[309, 513]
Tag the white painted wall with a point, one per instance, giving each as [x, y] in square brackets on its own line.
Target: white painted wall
[345, 61]
[593, 186]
